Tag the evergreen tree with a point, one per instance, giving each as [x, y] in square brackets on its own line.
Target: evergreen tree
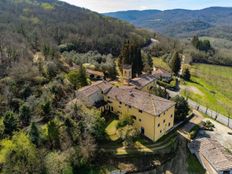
[175, 63]
[195, 41]
[34, 134]
[202, 45]
[53, 134]
[158, 91]
[148, 62]
[181, 109]
[131, 54]
[10, 123]
[124, 57]
[46, 109]
[137, 64]
[25, 114]
[82, 77]
[186, 74]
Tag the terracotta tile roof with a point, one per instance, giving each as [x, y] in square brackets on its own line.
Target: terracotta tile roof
[142, 81]
[141, 100]
[214, 152]
[161, 73]
[97, 73]
[127, 66]
[95, 87]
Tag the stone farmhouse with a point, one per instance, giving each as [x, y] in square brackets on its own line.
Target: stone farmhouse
[152, 115]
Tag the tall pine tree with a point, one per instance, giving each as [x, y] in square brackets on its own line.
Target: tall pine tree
[175, 63]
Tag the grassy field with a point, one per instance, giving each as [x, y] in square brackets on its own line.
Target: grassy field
[211, 86]
[159, 62]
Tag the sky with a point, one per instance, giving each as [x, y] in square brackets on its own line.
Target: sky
[103, 6]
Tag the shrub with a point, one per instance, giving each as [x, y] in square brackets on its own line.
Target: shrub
[171, 86]
[125, 121]
[128, 134]
[186, 74]
[194, 131]
[181, 109]
[208, 125]
[51, 70]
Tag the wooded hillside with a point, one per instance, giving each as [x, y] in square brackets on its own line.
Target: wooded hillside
[51, 26]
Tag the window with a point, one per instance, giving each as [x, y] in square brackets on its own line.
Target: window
[142, 130]
[171, 116]
[226, 172]
[160, 131]
[108, 97]
[164, 121]
[140, 111]
[140, 120]
[133, 117]
[120, 103]
[158, 125]
[129, 106]
[169, 124]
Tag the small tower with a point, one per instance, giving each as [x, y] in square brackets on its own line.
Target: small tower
[127, 73]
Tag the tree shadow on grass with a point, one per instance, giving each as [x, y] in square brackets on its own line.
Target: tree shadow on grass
[196, 83]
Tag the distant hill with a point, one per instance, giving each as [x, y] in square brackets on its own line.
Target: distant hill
[214, 21]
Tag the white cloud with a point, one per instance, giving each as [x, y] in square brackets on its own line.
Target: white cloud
[110, 5]
[118, 5]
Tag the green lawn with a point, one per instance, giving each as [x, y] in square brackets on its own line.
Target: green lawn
[211, 86]
[141, 145]
[160, 63]
[111, 130]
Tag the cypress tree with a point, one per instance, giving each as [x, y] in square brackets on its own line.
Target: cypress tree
[25, 114]
[175, 63]
[82, 77]
[10, 123]
[195, 41]
[34, 134]
[53, 134]
[131, 54]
